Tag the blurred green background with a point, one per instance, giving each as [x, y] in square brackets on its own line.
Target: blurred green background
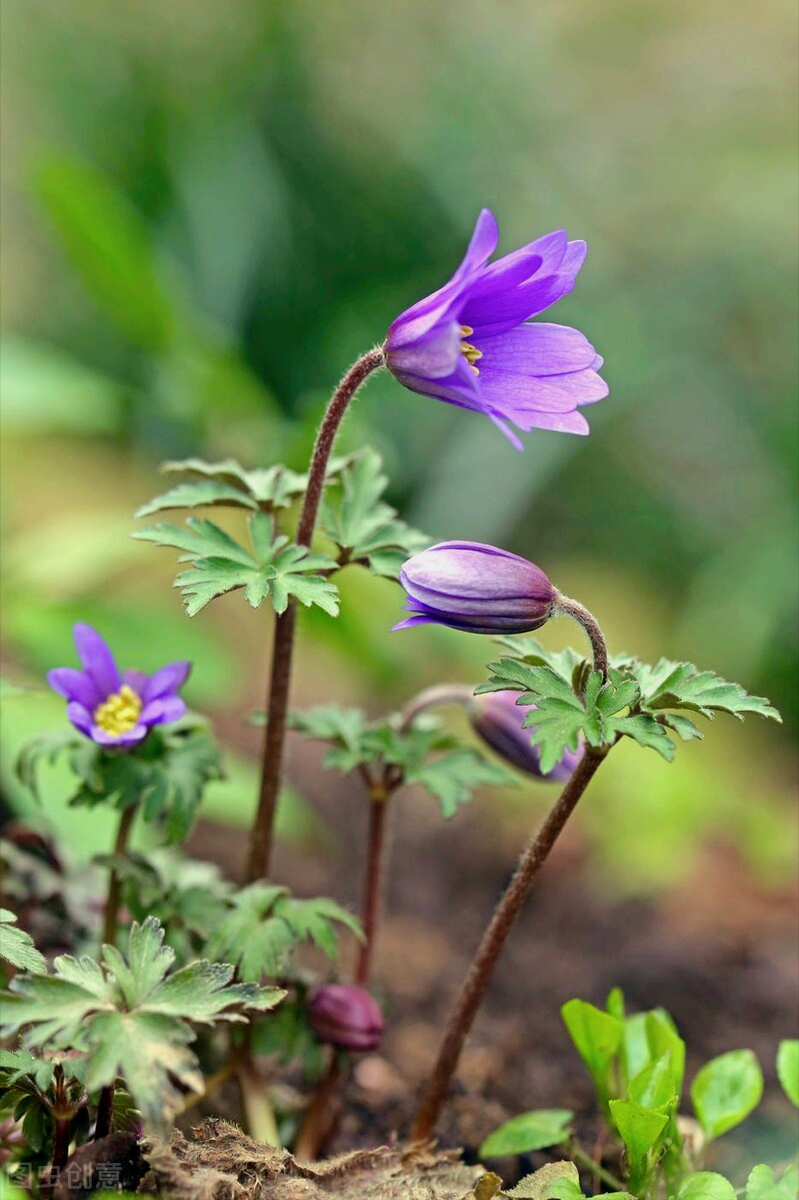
[210, 209]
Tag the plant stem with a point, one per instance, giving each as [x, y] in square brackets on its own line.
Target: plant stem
[105, 1111]
[321, 1116]
[260, 848]
[373, 886]
[572, 608]
[595, 1168]
[115, 883]
[479, 974]
[440, 693]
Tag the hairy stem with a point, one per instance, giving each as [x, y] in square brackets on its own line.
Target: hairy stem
[115, 882]
[260, 847]
[572, 608]
[373, 885]
[479, 975]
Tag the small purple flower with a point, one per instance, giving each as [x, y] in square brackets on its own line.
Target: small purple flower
[116, 709]
[469, 344]
[476, 588]
[346, 1016]
[497, 718]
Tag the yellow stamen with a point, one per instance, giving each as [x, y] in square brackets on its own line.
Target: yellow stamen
[120, 712]
[470, 352]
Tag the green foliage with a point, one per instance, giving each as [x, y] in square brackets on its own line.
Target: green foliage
[706, 1185]
[726, 1090]
[596, 1036]
[228, 484]
[636, 701]
[272, 567]
[762, 1184]
[392, 754]
[166, 774]
[788, 1068]
[132, 1016]
[264, 925]
[16, 946]
[363, 527]
[530, 1131]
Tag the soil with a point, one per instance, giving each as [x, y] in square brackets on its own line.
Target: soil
[719, 954]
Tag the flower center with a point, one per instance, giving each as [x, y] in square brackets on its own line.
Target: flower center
[120, 712]
[470, 352]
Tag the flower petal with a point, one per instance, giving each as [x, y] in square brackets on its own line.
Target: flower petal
[128, 738]
[80, 717]
[137, 680]
[97, 659]
[165, 681]
[162, 710]
[461, 387]
[75, 685]
[571, 422]
[501, 297]
[537, 349]
[415, 321]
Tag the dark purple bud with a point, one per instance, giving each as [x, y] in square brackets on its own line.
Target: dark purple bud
[476, 588]
[346, 1016]
[497, 718]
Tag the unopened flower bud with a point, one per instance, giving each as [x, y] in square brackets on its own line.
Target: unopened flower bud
[346, 1016]
[476, 588]
[497, 718]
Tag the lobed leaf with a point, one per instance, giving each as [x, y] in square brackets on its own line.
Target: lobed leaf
[17, 947]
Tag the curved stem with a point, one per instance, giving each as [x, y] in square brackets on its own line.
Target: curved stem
[260, 848]
[321, 1116]
[576, 1151]
[479, 974]
[115, 883]
[572, 608]
[373, 886]
[440, 693]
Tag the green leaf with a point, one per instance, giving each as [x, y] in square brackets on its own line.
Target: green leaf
[529, 1131]
[706, 1185]
[267, 488]
[452, 778]
[638, 1127]
[648, 732]
[726, 1090]
[788, 1068]
[560, 1180]
[681, 685]
[133, 1018]
[264, 926]
[14, 1064]
[596, 1036]
[111, 247]
[204, 492]
[17, 947]
[363, 527]
[662, 1039]
[654, 1086]
[762, 1185]
[273, 567]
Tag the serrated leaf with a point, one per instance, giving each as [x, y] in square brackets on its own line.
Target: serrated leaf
[365, 529]
[269, 488]
[646, 731]
[14, 1064]
[274, 567]
[706, 1185]
[529, 1131]
[203, 492]
[726, 1090]
[762, 1184]
[134, 1018]
[681, 685]
[788, 1068]
[529, 650]
[453, 778]
[17, 946]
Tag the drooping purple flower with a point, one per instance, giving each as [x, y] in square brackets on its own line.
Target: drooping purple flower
[346, 1016]
[476, 588]
[116, 709]
[497, 718]
[469, 344]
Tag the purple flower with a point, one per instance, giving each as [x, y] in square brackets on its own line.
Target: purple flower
[116, 709]
[468, 343]
[346, 1016]
[476, 588]
[497, 718]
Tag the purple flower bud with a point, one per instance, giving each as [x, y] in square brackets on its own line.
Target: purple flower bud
[476, 588]
[346, 1016]
[497, 718]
